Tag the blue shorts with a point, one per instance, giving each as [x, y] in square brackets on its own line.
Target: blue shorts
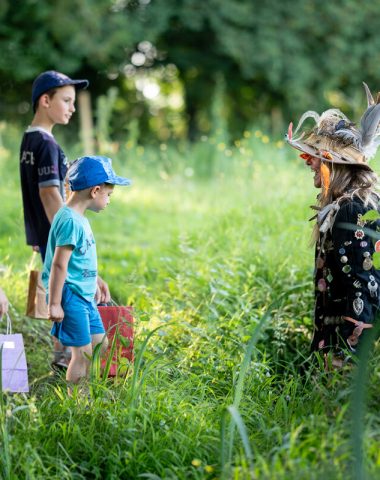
[81, 320]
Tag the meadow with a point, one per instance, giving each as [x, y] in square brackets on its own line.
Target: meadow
[211, 246]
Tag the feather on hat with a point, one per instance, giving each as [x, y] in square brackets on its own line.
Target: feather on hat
[336, 139]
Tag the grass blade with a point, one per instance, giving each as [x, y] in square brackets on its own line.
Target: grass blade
[236, 417]
[358, 402]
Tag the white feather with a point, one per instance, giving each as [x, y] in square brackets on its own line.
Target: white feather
[308, 114]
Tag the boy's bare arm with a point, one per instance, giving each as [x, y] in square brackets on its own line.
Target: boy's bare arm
[103, 294]
[51, 200]
[57, 278]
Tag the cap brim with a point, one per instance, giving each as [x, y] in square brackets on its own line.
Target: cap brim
[305, 148]
[119, 181]
[79, 84]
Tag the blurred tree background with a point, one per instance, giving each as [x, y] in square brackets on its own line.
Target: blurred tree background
[173, 69]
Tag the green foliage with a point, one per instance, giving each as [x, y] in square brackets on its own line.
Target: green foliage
[277, 59]
[271, 54]
[73, 37]
[105, 105]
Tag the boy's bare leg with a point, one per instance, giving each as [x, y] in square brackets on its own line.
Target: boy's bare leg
[62, 354]
[100, 338]
[79, 364]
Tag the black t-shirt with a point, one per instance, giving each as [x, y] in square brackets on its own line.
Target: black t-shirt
[42, 164]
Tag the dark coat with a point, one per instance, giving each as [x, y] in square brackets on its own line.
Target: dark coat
[346, 282]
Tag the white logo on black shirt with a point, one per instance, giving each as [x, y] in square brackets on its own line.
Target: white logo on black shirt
[28, 158]
[51, 169]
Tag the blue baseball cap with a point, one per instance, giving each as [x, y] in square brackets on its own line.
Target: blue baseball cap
[88, 172]
[51, 79]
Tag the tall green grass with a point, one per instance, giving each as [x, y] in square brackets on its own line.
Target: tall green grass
[211, 245]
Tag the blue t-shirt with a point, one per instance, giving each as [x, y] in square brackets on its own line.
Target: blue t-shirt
[71, 228]
[42, 164]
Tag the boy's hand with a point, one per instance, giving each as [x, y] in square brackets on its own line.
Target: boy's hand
[3, 303]
[103, 294]
[55, 313]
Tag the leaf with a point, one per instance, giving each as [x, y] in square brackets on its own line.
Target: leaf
[371, 216]
[126, 342]
[151, 476]
[376, 260]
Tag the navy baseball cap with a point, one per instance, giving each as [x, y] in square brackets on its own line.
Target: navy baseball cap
[51, 79]
[88, 172]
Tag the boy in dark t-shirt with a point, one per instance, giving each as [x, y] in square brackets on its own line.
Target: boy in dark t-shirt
[43, 165]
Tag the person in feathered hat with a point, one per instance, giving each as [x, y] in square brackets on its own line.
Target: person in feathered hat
[346, 280]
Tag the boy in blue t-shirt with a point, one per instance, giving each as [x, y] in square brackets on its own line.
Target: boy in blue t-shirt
[70, 268]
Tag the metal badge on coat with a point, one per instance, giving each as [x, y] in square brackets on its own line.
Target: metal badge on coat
[358, 304]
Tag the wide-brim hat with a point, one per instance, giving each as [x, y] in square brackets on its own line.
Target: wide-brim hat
[336, 139]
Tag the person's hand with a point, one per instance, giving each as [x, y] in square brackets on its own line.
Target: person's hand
[55, 312]
[4, 304]
[36, 248]
[103, 294]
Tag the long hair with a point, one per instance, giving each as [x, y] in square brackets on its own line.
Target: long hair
[347, 182]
